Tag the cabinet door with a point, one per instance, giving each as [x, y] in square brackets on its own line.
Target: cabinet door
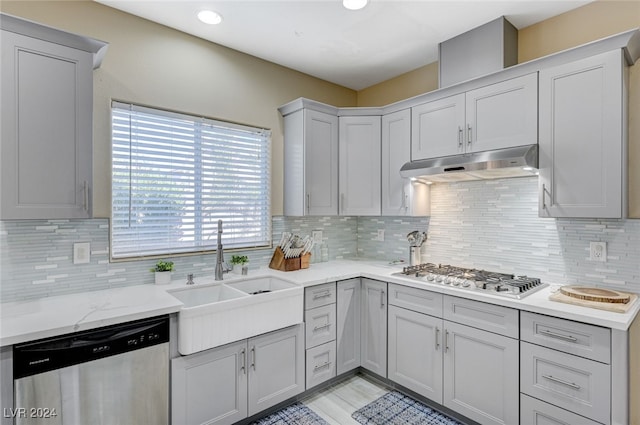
[46, 148]
[348, 318]
[415, 352]
[359, 171]
[503, 115]
[481, 389]
[276, 367]
[210, 387]
[437, 128]
[582, 154]
[373, 337]
[320, 163]
[396, 151]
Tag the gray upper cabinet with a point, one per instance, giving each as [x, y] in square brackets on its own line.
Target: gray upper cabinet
[359, 170]
[400, 196]
[495, 116]
[310, 163]
[583, 139]
[47, 103]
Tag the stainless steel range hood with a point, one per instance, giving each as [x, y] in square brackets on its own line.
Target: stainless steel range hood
[501, 163]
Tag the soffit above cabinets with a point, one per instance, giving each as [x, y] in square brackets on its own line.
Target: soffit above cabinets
[355, 49]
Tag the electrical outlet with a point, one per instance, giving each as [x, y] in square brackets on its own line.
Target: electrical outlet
[81, 252]
[316, 235]
[598, 251]
[380, 236]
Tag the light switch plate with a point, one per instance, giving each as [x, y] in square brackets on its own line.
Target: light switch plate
[81, 252]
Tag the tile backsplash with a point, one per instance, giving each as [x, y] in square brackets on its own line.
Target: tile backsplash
[483, 224]
[494, 225]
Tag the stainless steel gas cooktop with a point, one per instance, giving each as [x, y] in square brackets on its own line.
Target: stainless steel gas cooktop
[506, 285]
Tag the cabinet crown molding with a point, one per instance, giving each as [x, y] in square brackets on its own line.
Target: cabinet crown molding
[43, 32]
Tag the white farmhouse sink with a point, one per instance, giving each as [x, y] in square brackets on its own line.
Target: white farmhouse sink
[195, 296]
[220, 313]
[261, 285]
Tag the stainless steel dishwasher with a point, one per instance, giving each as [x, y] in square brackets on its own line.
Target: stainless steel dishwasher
[113, 375]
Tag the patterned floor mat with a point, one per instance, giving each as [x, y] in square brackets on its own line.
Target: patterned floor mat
[395, 408]
[297, 414]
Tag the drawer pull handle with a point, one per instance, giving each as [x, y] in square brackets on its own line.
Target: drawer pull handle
[324, 294]
[562, 381]
[558, 336]
[323, 365]
[317, 328]
[437, 339]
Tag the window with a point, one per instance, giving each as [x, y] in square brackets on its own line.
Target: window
[174, 176]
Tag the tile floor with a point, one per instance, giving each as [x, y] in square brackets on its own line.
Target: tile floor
[336, 404]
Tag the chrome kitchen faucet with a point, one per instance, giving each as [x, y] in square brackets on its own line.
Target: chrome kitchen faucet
[221, 266]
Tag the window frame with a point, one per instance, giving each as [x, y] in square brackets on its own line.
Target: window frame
[263, 217]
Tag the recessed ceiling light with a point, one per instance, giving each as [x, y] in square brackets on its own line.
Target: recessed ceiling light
[354, 4]
[209, 17]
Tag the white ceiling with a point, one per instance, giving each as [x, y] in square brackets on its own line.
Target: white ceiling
[354, 49]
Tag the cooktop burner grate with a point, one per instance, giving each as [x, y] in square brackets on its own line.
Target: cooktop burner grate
[474, 279]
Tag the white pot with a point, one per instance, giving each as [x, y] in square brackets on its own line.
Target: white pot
[163, 278]
[237, 269]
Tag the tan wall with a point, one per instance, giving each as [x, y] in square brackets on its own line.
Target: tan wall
[412, 83]
[596, 20]
[154, 65]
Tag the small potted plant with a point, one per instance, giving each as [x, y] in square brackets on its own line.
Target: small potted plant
[238, 262]
[163, 271]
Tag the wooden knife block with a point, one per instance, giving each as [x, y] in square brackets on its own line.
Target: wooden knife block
[278, 262]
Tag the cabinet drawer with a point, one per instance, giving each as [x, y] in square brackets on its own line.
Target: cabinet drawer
[321, 363]
[573, 383]
[488, 317]
[320, 324]
[536, 412]
[581, 339]
[319, 295]
[415, 299]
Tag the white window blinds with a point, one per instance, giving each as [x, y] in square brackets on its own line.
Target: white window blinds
[175, 175]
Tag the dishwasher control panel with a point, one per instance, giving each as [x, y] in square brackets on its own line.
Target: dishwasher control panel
[67, 350]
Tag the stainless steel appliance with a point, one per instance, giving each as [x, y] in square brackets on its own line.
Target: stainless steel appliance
[112, 375]
[503, 284]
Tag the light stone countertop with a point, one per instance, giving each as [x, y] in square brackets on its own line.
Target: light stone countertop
[23, 321]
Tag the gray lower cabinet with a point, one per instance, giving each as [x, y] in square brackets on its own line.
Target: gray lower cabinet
[373, 338]
[536, 412]
[566, 365]
[469, 370]
[415, 352]
[226, 384]
[481, 374]
[47, 102]
[348, 323]
[321, 329]
[321, 364]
